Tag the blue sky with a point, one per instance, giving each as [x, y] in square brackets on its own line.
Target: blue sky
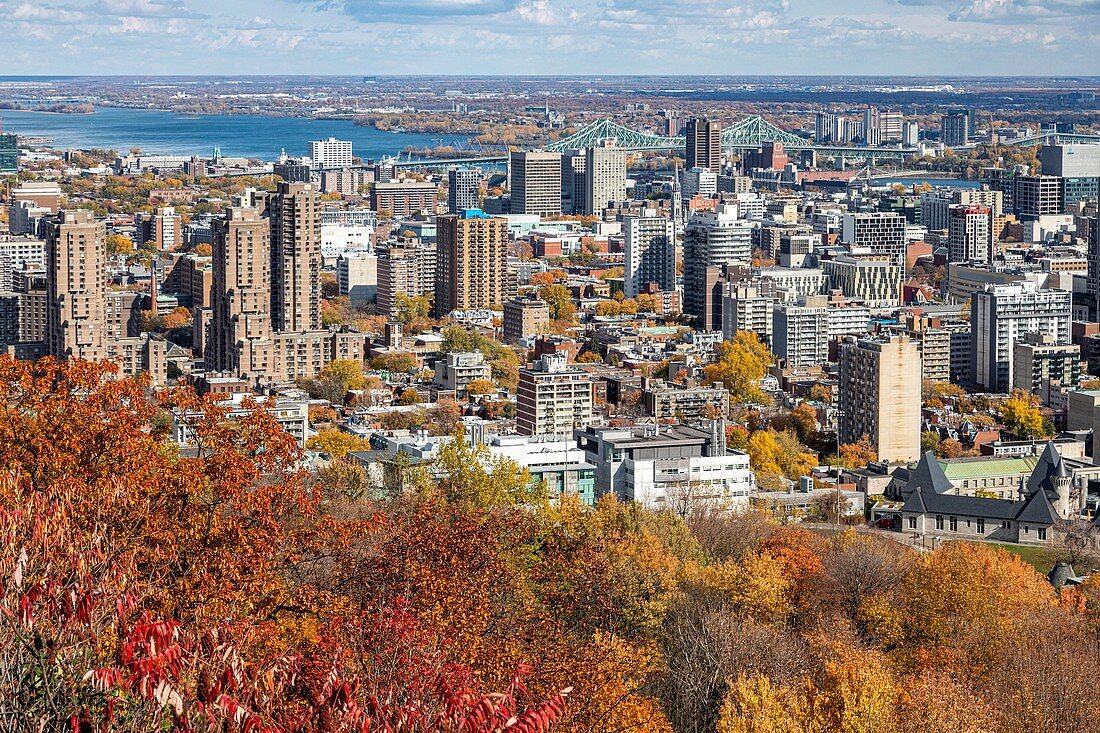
[920, 37]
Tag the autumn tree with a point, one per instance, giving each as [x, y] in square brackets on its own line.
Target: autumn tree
[1022, 417]
[741, 365]
[337, 443]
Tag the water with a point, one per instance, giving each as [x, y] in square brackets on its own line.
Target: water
[248, 136]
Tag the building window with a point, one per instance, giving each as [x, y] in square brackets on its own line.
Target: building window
[939, 522]
[1005, 524]
[1042, 531]
[1027, 529]
[980, 525]
[912, 522]
[954, 524]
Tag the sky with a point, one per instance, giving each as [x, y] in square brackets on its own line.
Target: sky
[586, 37]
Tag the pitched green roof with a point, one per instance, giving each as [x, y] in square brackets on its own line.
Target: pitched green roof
[960, 469]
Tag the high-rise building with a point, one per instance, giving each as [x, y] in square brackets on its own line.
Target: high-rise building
[553, 398]
[891, 127]
[1045, 368]
[572, 181]
[403, 198]
[712, 240]
[882, 233]
[1035, 196]
[704, 144]
[240, 314]
[910, 134]
[955, 128]
[525, 317]
[535, 182]
[969, 233]
[76, 286]
[1070, 161]
[698, 182]
[331, 153]
[472, 261]
[163, 228]
[462, 189]
[357, 275]
[878, 396]
[872, 135]
[604, 177]
[800, 332]
[825, 124]
[1088, 228]
[1000, 315]
[404, 268]
[650, 257]
[875, 282]
[294, 212]
[9, 153]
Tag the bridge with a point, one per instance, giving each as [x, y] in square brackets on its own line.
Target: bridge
[748, 134]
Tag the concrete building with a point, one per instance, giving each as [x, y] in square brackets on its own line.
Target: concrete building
[357, 275]
[76, 284]
[712, 240]
[553, 398]
[1045, 368]
[295, 230]
[463, 189]
[879, 396]
[1070, 161]
[458, 369]
[703, 144]
[403, 198]
[536, 182]
[999, 317]
[162, 228]
[969, 233]
[472, 262]
[698, 182]
[668, 401]
[525, 318]
[650, 256]
[876, 282]
[331, 153]
[955, 128]
[573, 164]
[1035, 196]
[672, 467]
[800, 333]
[880, 232]
[604, 177]
[748, 307]
[19, 253]
[404, 268]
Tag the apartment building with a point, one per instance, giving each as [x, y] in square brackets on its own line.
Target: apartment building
[553, 397]
[879, 396]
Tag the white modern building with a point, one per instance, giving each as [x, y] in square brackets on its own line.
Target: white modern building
[331, 153]
[650, 253]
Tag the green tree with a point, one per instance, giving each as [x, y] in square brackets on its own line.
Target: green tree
[560, 301]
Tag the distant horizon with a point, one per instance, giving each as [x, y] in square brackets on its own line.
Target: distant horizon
[594, 75]
[941, 38]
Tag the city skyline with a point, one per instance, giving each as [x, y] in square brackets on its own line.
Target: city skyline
[928, 37]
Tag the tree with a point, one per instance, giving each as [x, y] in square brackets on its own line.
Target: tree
[742, 364]
[542, 278]
[780, 453]
[118, 244]
[480, 387]
[560, 301]
[397, 362]
[1022, 418]
[409, 397]
[337, 443]
[410, 308]
[858, 454]
[179, 317]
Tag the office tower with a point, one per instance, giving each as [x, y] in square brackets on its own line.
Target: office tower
[331, 153]
[1000, 315]
[1088, 228]
[882, 233]
[871, 133]
[1035, 196]
[535, 182]
[75, 286]
[955, 128]
[240, 313]
[43, 194]
[525, 317]
[712, 240]
[650, 257]
[404, 268]
[295, 258]
[462, 189]
[472, 261]
[770, 156]
[1070, 161]
[572, 181]
[879, 396]
[984, 196]
[9, 153]
[604, 177]
[704, 144]
[403, 198]
[698, 182]
[910, 134]
[891, 127]
[875, 282]
[969, 233]
[553, 398]
[825, 124]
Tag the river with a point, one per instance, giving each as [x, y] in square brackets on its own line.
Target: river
[249, 136]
